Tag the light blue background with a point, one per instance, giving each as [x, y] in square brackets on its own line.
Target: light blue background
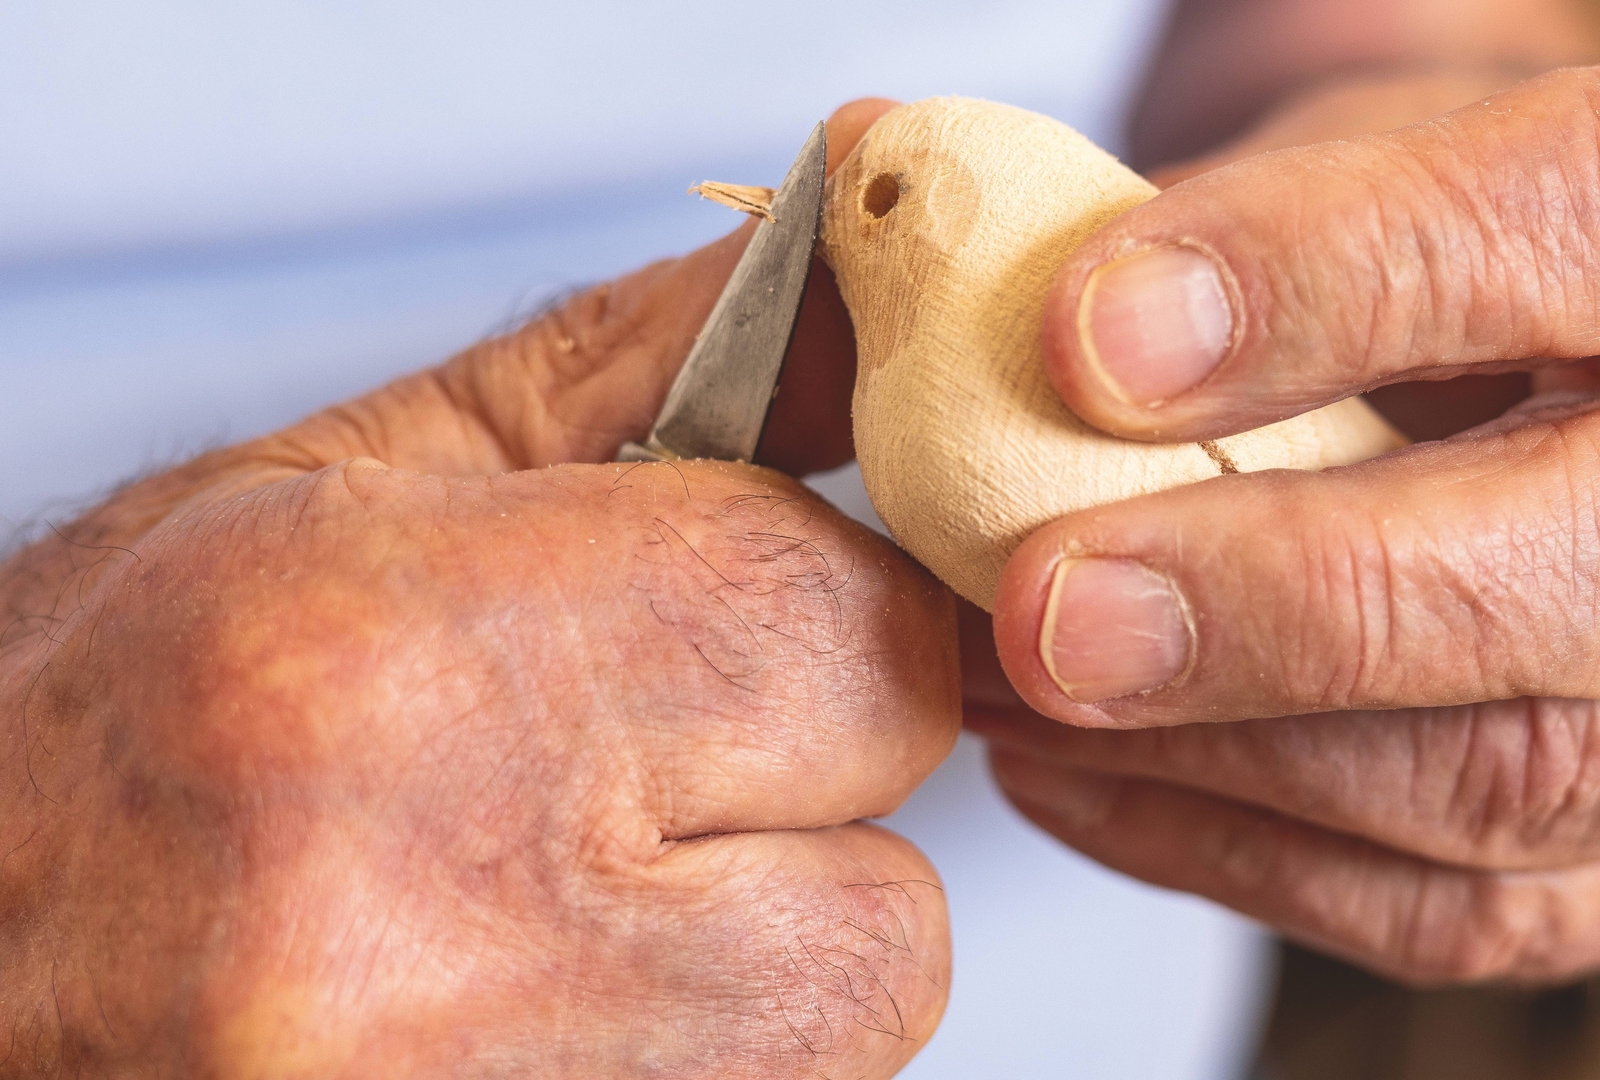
[217, 216]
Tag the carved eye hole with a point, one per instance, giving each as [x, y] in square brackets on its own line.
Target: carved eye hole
[881, 194]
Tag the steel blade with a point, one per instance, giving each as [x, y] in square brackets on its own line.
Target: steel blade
[718, 405]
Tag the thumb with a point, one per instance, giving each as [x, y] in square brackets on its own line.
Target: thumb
[1293, 279]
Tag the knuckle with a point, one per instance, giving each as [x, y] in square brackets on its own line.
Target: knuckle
[1579, 85]
[769, 590]
[1344, 656]
[1526, 793]
[1486, 927]
[1254, 857]
[1536, 226]
[534, 389]
[1517, 576]
[1382, 218]
[579, 334]
[1557, 537]
[841, 935]
[1505, 586]
[1451, 935]
[1462, 250]
[865, 971]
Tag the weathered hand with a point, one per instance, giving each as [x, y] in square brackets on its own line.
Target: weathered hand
[398, 744]
[1424, 626]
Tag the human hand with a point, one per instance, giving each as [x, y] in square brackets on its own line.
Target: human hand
[1422, 626]
[473, 759]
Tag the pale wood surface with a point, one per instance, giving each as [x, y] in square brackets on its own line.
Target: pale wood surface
[945, 228]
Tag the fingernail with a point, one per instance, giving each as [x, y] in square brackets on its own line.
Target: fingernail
[1156, 323]
[1112, 627]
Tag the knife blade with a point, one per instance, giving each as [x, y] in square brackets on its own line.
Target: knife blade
[718, 405]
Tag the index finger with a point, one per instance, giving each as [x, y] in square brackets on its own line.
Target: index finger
[588, 374]
[1294, 279]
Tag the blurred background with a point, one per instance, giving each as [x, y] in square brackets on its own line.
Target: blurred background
[216, 217]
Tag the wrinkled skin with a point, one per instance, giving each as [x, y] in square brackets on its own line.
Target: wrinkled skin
[345, 752]
[1405, 650]
[404, 742]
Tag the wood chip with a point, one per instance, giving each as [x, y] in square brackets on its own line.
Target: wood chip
[755, 201]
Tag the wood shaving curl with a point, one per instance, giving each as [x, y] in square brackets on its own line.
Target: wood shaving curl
[755, 201]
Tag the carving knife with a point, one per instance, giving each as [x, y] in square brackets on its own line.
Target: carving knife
[718, 404]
